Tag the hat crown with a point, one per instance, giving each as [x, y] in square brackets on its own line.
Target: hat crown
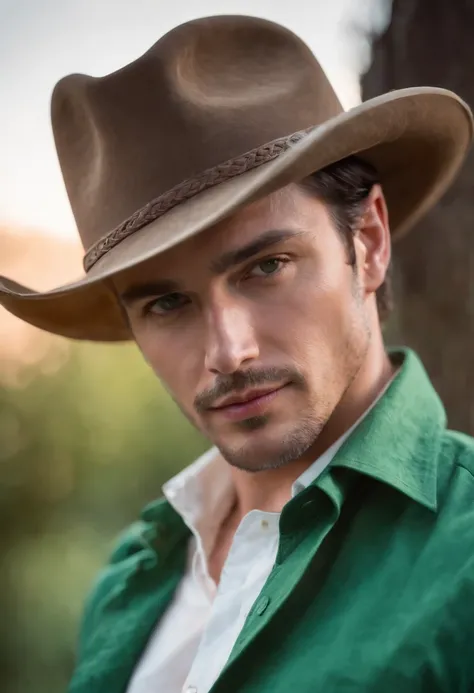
[206, 92]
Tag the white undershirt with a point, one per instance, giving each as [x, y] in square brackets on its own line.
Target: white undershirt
[192, 642]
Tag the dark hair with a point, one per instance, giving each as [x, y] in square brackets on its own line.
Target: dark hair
[345, 187]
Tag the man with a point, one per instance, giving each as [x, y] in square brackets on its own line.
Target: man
[236, 226]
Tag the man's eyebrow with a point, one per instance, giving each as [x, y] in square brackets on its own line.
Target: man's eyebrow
[145, 290]
[234, 257]
[219, 266]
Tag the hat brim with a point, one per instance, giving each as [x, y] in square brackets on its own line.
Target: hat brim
[416, 138]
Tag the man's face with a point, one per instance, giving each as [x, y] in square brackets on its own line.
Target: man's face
[256, 327]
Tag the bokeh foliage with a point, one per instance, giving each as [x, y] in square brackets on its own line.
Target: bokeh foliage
[85, 443]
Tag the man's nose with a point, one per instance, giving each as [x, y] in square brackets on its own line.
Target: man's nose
[231, 339]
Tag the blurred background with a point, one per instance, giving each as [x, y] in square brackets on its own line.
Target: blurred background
[87, 435]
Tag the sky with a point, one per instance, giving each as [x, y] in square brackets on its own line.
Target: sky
[43, 40]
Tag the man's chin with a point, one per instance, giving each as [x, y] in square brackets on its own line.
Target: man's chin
[258, 449]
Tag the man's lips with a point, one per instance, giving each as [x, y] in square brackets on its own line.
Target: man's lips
[244, 397]
[246, 404]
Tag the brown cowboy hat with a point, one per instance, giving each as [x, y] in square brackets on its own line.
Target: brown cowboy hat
[218, 113]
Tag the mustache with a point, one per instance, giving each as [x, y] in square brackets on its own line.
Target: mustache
[241, 380]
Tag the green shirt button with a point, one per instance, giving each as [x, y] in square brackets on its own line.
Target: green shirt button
[262, 605]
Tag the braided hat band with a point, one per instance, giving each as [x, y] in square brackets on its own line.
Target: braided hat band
[187, 189]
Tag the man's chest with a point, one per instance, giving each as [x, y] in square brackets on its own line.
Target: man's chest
[363, 599]
[193, 640]
[380, 633]
[374, 610]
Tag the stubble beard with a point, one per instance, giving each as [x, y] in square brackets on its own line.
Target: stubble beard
[291, 447]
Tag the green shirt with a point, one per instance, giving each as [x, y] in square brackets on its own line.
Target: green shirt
[373, 586]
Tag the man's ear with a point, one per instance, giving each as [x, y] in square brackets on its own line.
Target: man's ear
[372, 242]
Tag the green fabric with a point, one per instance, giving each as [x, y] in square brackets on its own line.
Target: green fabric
[373, 586]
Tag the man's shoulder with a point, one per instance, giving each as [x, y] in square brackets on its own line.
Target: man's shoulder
[132, 542]
[123, 557]
[133, 546]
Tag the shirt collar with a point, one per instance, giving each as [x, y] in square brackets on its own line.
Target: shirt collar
[202, 494]
[398, 440]
[312, 473]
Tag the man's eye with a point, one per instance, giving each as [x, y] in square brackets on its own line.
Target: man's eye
[167, 304]
[268, 267]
